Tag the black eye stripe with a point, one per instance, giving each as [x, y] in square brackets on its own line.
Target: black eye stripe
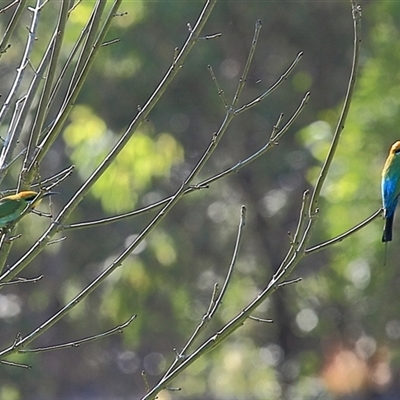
[397, 151]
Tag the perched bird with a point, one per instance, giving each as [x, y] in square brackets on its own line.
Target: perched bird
[390, 189]
[12, 206]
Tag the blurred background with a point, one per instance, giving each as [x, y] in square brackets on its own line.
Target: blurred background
[336, 333]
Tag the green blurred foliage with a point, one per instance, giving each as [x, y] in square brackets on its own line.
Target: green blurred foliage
[132, 172]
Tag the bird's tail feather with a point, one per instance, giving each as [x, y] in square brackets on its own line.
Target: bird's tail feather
[387, 230]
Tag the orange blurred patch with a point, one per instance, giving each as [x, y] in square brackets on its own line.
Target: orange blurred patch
[344, 372]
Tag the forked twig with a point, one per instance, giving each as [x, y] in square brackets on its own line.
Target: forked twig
[216, 299]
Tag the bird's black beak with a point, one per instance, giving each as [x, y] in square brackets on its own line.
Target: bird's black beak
[49, 194]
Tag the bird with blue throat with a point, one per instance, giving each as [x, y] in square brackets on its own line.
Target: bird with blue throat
[390, 189]
[12, 207]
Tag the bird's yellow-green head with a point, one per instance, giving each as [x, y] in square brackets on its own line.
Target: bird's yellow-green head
[392, 163]
[12, 206]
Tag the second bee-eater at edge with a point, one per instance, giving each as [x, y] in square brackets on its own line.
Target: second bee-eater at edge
[11, 207]
[390, 189]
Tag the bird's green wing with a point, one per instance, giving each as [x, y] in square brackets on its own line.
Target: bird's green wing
[394, 174]
[10, 207]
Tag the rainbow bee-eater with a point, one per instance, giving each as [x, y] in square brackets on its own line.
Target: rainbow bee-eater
[390, 189]
[11, 207]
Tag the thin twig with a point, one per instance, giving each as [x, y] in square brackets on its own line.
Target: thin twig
[220, 91]
[56, 179]
[23, 280]
[243, 78]
[77, 343]
[212, 36]
[299, 231]
[14, 364]
[285, 283]
[242, 223]
[344, 235]
[268, 321]
[275, 129]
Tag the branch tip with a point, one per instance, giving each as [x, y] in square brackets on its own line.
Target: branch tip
[212, 36]
[14, 364]
[289, 282]
[268, 321]
[171, 389]
[120, 14]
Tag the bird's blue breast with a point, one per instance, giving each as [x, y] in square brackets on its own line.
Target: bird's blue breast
[389, 195]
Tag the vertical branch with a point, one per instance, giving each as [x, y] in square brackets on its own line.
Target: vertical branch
[356, 12]
[42, 106]
[49, 139]
[246, 68]
[238, 242]
[24, 61]
[91, 30]
[67, 64]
